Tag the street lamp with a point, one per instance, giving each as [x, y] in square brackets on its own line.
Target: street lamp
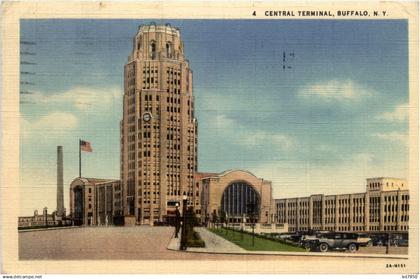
[184, 223]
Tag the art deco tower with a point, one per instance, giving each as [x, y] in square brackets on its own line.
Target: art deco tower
[158, 130]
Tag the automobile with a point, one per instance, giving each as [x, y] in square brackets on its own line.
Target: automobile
[379, 239]
[310, 235]
[394, 239]
[363, 239]
[399, 239]
[285, 236]
[296, 237]
[332, 241]
[308, 240]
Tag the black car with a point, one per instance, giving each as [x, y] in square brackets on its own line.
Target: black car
[295, 237]
[394, 239]
[333, 241]
[379, 239]
[399, 239]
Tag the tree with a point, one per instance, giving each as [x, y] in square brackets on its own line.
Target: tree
[215, 218]
[224, 219]
[251, 212]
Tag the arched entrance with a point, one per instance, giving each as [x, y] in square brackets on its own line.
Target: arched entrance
[240, 200]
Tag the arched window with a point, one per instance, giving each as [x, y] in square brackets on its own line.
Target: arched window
[152, 49]
[169, 49]
[240, 199]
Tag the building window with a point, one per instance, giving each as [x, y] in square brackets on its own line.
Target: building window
[153, 49]
[169, 49]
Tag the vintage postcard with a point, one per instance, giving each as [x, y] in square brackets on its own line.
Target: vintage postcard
[188, 137]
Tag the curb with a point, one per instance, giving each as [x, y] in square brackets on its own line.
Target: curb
[50, 229]
[304, 254]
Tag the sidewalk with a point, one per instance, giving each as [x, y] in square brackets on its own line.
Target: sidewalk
[218, 245]
[215, 243]
[174, 243]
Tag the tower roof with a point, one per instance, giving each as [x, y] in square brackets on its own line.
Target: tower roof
[160, 28]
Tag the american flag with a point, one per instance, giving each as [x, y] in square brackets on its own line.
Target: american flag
[85, 146]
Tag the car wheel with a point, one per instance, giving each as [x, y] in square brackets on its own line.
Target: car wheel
[369, 243]
[323, 247]
[352, 247]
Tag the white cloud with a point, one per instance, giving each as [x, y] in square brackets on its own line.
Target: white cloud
[280, 141]
[67, 111]
[54, 123]
[336, 90]
[82, 98]
[393, 137]
[362, 158]
[399, 114]
[251, 138]
[221, 121]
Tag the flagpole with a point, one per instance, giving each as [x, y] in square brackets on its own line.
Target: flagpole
[80, 161]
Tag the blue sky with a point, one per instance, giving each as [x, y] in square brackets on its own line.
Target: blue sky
[336, 117]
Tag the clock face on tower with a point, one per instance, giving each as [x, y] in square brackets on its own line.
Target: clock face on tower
[147, 116]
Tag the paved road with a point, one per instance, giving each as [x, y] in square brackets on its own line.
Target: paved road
[121, 243]
[96, 243]
[382, 250]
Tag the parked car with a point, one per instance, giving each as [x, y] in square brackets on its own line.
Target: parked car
[284, 236]
[399, 239]
[296, 237]
[311, 235]
[309, 240]
[363, 239]
[331, 241]
[379, 239]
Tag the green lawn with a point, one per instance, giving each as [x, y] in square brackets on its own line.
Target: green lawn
[244, 240]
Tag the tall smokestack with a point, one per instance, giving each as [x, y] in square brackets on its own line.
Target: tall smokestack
[60, 194]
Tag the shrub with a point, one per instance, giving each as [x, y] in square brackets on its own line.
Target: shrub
[193, 239]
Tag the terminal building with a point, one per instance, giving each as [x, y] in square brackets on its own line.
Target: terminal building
[96, 201]
[383, 207]
[237, 194]
[158, 128]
